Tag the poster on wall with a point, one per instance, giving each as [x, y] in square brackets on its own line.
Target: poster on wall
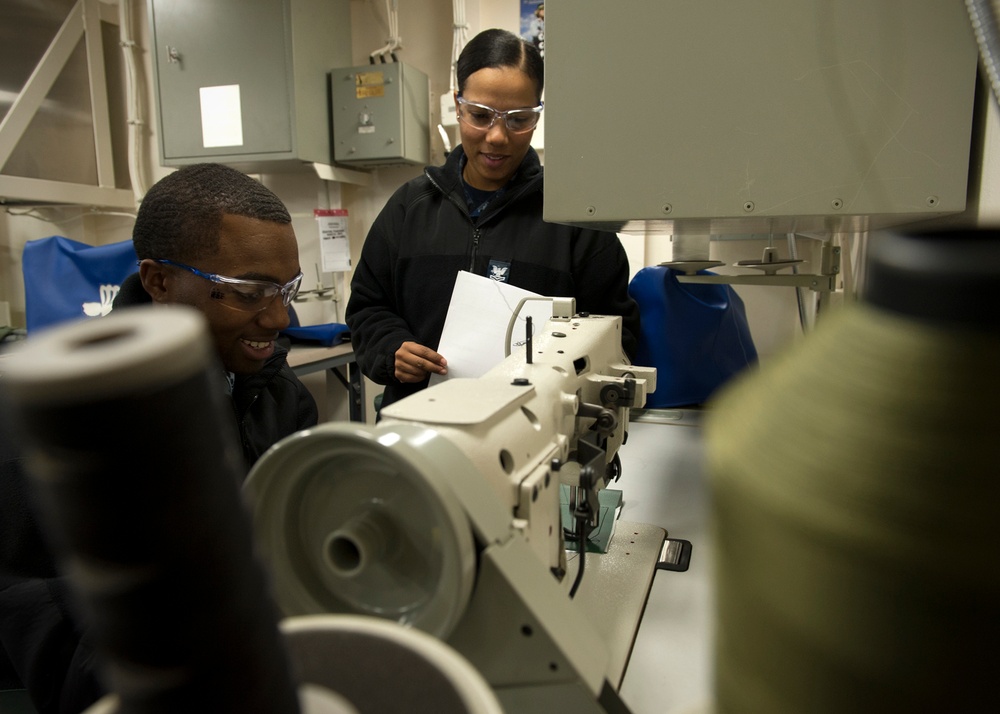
[335, 251]
[533, 23]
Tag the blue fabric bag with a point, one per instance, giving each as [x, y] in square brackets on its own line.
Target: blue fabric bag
[695, 335]
[67, 280]
[327, 335]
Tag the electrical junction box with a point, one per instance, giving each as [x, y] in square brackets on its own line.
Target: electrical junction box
[380, 115]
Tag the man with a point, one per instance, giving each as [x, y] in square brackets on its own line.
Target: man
[210, 237]
[213, 238]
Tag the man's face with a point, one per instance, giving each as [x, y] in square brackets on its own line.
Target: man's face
[249, 249]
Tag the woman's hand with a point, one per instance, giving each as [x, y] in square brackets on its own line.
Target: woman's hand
[414, 363]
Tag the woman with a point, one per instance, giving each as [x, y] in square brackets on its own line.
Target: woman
[480, 212]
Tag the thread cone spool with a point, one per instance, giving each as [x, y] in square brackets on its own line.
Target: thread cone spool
[137, 472]
[856, 499]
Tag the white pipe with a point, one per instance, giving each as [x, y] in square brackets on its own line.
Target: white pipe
[460, 31]
[134, 118]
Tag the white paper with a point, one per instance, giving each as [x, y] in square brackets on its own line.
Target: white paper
[476, 325]
[335, 249]
[221, 116]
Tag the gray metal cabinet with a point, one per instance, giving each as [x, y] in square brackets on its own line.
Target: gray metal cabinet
[245, 83]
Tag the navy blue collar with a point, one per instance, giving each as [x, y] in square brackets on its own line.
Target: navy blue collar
[476, 198]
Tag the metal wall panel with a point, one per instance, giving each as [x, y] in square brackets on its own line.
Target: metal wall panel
[757, 116]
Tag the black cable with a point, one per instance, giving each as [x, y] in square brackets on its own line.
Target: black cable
[582, 547]
[582, 514]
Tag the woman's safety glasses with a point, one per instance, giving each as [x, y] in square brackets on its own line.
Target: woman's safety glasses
[245, 295]
[482, 117]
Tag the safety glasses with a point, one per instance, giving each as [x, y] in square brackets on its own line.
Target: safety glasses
[482, 117]
[245, 295]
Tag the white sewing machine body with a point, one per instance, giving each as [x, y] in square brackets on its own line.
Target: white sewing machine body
[446, 515]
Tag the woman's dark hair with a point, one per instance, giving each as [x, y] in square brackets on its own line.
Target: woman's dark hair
[497, 49]
[180, 215]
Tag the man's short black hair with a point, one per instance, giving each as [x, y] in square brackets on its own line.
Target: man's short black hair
[180, 215]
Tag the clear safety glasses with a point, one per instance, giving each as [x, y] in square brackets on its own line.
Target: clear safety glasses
[482, 117]
[245, 295]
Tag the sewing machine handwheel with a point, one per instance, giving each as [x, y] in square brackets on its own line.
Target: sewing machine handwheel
[352, 522]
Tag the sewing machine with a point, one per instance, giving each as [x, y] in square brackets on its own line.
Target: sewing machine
[446, 516]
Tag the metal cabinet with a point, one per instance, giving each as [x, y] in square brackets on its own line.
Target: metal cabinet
[245, 83]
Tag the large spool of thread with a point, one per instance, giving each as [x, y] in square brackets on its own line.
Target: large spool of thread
[137, 472]
[856, 498]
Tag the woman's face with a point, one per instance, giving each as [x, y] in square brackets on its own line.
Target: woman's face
[494, 154]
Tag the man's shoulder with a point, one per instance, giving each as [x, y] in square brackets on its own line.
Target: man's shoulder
[131, 293]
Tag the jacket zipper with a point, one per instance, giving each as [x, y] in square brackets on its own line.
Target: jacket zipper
[475, 248]
[241, 417]
[476, 233]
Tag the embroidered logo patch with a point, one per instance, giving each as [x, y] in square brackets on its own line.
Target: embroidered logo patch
[499, 271]
[102, 308]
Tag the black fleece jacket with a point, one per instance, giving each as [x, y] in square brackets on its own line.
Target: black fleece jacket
[424, 236]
